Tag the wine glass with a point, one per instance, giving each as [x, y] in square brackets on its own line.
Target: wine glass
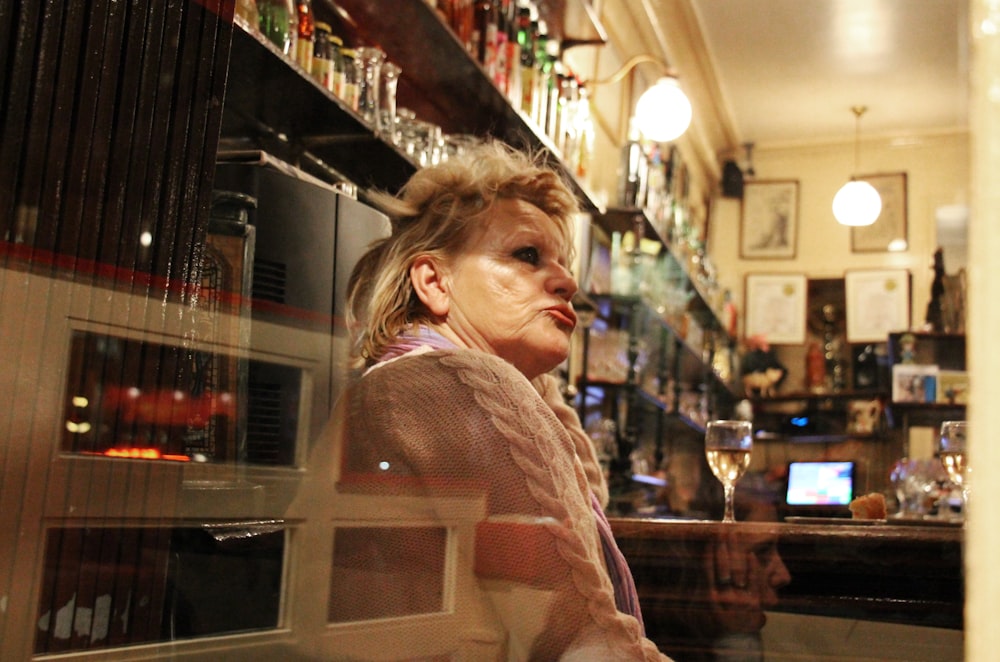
[951, 450]
[727, 448]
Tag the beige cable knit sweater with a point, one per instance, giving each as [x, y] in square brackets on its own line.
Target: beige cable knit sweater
[461, 422]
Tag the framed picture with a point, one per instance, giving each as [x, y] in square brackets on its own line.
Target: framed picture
[878, 302]
[770, 219]
[776, 308]
[914, 383]
[888, 232]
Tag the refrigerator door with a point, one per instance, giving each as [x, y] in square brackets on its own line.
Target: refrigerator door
[309, 237]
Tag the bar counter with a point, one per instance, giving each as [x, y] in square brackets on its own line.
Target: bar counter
[889, 572]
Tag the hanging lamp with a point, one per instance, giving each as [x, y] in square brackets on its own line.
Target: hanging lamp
[857, 203]
[663, 112]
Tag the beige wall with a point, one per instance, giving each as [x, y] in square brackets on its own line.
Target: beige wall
[937, 168]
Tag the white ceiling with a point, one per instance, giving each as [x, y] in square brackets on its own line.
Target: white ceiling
[790, 70]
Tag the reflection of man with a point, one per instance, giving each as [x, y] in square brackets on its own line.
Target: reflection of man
[744, 575]
[706, 597]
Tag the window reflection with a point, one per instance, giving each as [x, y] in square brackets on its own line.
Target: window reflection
[116, 586]
[144, 400]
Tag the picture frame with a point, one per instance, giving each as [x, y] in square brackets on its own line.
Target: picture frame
[776, 307]
[914, 383]
[769, 219]
[878, 303]
[889, 231]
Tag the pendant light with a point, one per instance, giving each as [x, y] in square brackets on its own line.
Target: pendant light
[857, 203]
[663, 112]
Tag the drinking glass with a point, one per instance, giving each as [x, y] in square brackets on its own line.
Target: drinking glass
[387, 100]
[951, 450]
[369, 67]
[728, 445]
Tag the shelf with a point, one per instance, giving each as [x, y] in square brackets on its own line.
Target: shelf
[832, 396]
[271, 101]
[621, 219]
[443, 84]
[693, 368]
[923, 414]
[656, 402]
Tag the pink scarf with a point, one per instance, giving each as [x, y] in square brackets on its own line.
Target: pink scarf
[413, 338]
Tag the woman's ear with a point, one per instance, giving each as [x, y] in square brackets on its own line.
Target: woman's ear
[427, 279]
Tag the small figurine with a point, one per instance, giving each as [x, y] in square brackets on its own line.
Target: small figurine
[761, 370]
[908, 348]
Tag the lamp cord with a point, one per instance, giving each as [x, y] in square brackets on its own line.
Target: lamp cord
[631, 64]
[858, 112]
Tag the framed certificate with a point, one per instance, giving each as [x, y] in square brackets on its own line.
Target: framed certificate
[776, 308]
[878, 302]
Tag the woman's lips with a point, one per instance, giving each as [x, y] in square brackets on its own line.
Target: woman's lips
[564, 316]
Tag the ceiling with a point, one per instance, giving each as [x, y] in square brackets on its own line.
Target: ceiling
[779, 73]
[789, 71]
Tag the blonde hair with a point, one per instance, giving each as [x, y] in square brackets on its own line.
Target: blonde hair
[435, 214]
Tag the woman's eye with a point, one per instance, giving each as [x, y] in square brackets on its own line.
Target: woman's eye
[528, 254]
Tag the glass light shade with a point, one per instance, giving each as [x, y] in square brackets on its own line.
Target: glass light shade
[857, 203]
[663, 112]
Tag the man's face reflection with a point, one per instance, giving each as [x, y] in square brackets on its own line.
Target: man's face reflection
[745, 577]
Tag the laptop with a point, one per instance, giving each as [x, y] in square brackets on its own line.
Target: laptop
[820, 488]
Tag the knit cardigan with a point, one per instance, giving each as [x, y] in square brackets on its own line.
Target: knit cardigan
[464, 422]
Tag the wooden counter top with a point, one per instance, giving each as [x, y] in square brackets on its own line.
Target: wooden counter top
[888, 572]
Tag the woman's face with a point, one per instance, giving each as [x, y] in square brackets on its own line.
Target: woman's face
[509, 292]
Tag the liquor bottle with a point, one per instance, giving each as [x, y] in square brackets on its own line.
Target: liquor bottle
[279, 23]
[526, 60]
[322, 64]
[246, 14]
[484, 35]
[632, 179]
[500, 48]
[512, 59]
[304, 46]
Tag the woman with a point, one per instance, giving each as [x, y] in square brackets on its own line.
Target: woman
[463, 312]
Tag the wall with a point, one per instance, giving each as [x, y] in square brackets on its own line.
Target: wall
[937, 168]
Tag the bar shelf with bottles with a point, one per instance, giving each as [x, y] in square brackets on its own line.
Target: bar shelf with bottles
[273, 103]
[447, 84]
[637, 349]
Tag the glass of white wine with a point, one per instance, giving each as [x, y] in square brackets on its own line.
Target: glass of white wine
[951, 450]
[728, 445]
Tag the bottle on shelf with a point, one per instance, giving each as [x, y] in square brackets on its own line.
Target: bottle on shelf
[304, 45]
[279, 23]
[632, 179]
[484, 35]
[323, 56]
[526, 61]
[247, 15]
[348, 90]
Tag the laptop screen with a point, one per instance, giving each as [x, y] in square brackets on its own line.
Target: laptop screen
[820, 483]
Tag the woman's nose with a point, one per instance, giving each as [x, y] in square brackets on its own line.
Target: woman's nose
[563, 283]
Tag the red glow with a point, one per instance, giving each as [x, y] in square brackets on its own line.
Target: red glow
[144, 454]
[167, 407]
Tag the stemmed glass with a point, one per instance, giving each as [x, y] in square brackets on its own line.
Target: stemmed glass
[728, 445]
[951, 450]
